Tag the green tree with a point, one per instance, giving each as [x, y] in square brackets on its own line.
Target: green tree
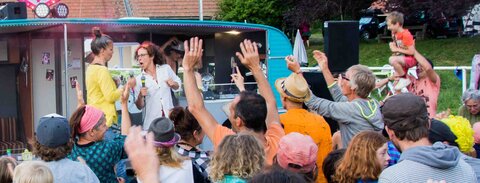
[268, 12]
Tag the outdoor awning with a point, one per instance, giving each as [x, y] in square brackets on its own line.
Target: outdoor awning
[131, 25]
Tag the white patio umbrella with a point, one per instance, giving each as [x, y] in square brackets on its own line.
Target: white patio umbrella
[299, 51]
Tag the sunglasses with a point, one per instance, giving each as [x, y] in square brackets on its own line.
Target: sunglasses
[344, 76]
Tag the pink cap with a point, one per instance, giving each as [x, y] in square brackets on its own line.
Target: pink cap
[90, 119]
[297, 153]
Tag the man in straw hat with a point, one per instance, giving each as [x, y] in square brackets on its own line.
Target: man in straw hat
[250, 112]
[352, 108]
[293, 93]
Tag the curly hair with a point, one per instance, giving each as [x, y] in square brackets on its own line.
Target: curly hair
[152, 50]
[360, 159]
[239, 155]
[51, 154]
[169, 157]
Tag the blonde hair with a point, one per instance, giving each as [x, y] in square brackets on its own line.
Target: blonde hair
[5, 175]
[395, 17]
[360, 159]
[169, 157]
[239, 155]
[32, 172]
[362, 80]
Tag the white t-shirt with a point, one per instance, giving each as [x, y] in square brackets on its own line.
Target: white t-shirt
[174, 175]
[158, 97]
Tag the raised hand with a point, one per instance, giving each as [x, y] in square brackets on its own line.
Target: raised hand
[292, 64]
[249, 56]
[125, 94]
[238, 79]
[193, 53]
[142, 155]
[321, 59]
[79, 91]
[132, 82]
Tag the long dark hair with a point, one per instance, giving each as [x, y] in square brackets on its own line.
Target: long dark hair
[152, 50]
[100, 40]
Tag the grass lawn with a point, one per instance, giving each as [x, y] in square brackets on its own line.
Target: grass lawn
[443, 52]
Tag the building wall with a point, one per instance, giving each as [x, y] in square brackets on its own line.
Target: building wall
[44, 101]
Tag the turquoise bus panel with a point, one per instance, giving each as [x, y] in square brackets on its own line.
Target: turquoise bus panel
[279, 47]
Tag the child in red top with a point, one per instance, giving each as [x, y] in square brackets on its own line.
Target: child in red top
[402, 48]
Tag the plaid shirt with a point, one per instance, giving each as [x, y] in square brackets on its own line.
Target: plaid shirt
[393, 153]
[200, 159]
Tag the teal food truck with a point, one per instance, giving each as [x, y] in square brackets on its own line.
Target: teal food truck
[40, 57]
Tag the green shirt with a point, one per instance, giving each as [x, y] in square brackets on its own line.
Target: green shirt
[101, 157]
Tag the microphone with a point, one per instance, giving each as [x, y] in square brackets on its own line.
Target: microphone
[143, 80]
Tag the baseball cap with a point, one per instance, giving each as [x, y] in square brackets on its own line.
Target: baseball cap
[439, 131]
[53, 130]
[405, 111]
[297, 153]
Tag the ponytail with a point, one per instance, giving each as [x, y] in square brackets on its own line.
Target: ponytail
[75, 120]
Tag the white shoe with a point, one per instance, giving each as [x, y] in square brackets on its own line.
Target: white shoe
[402, 83]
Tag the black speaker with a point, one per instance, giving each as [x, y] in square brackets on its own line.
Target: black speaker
[13, 10]
[317, 84]
[341, 40]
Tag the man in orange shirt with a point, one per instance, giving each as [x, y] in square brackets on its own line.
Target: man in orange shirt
[297, 119]
[249, 113]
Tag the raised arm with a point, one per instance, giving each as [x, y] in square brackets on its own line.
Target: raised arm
[142, 155]
[238, 79]
[250, 59]
[193, 53]
[164, 45]
[80, 100]
[431, 74]
[322, 61]
[126, 121]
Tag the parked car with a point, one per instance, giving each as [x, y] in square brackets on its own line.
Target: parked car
[372, 24]
[437, 25]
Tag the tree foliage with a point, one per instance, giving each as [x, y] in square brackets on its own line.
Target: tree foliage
[268, 12]
[311, 10]
[436, 8]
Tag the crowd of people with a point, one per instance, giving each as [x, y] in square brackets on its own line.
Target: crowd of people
[399, 139]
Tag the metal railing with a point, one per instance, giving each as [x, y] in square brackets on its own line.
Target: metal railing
[439, 68]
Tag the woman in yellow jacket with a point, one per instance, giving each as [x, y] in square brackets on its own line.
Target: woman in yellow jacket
[101, 89]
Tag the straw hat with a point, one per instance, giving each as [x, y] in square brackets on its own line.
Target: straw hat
[294, 87]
